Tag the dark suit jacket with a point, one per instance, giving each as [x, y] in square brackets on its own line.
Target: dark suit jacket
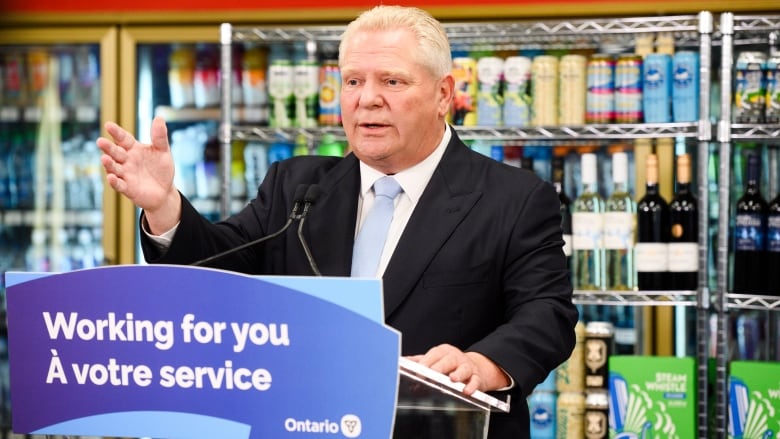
[480, 264]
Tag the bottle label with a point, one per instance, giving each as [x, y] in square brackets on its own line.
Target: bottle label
[651, 256]
[683, 256]
[586, 230]
[618, 230]
[748, 232]
[773, 233]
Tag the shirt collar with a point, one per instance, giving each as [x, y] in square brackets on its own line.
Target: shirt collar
[413, 180]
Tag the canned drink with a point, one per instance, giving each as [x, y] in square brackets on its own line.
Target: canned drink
[685, 86]
[596, 415]
[750, 87]
[772, 113]
[657, 88]
[599, 345]
[628, 89]
[306, 84]
[489, 101]
[570, 376]
[570, 415]
[37, 75]
[13, 79]
[541, 405]
[600, 100]
[464, 108]
[517, 100]
[280, 87]
[572, 90]
[544, 81]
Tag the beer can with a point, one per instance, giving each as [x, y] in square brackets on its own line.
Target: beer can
[517, 98]
[600, 99]
[464, 103]
[570, 376]
[490, 104]
[628, 89]
[596, 415]
[772, 114]
[685, 86]
[657, 88]
[599, 345]
[544, 80]
[572, 90]
[750, 87]
[541, 406]
[570, 415]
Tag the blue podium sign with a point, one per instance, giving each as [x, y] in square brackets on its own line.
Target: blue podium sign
[171, 351]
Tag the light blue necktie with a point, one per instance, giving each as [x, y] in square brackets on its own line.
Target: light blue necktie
[373, 234]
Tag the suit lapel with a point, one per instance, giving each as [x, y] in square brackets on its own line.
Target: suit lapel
[447, 199]
[330, 225]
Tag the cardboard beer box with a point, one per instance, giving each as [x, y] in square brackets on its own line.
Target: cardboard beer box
[754, 400]
[652, 397]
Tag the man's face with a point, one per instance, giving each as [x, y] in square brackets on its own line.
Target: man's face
[392, 107]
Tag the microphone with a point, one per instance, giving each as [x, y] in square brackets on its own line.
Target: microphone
[298, 199]
[312, 194]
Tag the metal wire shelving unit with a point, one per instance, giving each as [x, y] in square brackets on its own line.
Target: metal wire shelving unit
[689, 31]
[734, 31]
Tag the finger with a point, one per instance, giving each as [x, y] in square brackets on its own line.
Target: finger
[109, 148]
[121, 137]
[116, 183]
[159, 133]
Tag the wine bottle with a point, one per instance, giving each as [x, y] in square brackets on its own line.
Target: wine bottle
[684, 232]
[619, 229]
[749, 234]
[587, 228]
[773, 245]
[558, 178]
[652, 247]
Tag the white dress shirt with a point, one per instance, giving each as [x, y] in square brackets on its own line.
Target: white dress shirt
[413, 182]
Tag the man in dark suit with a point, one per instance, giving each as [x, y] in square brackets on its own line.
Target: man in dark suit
[473, 271]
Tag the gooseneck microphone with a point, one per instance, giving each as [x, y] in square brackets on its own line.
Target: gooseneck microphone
[298, 199]
[312, 194]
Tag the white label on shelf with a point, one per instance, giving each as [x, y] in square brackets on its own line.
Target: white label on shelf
[13, 218]
[86, 114]
[32, 114]
[9, 114]
[586, 230]
[683, 256]
[618, 230]
[651, 256]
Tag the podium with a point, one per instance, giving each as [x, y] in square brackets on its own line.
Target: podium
[186, 352]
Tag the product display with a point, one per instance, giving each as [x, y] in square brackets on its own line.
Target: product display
[587, 225]
[619, 236]
[684, 232]
[750, 235]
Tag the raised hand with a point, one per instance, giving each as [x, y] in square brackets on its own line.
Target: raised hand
[143, 173]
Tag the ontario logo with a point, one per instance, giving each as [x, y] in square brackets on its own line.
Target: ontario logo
[349, 426]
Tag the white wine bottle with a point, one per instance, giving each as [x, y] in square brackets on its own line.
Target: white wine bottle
[587, 230]
[619, 226]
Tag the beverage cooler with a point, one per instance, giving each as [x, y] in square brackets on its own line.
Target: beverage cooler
[174, 72]
[58, 87]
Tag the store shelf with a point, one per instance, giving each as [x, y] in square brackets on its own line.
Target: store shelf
[67, 218]
[770, 133]
[570, 133]
[81, 114]
[636, 298]
[753, 301]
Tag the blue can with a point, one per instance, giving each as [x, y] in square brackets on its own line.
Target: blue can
[657, 88]
[685, 86]
[541, 405]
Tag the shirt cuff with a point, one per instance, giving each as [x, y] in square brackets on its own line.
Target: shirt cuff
[161, 242]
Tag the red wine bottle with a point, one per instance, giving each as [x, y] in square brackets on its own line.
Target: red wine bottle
[773, 245]
[750, 235]
[684, 232]
[652, 247]
[558, 181]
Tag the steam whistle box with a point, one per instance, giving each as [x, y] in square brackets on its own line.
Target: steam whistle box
[754, 400]
[652, 397]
